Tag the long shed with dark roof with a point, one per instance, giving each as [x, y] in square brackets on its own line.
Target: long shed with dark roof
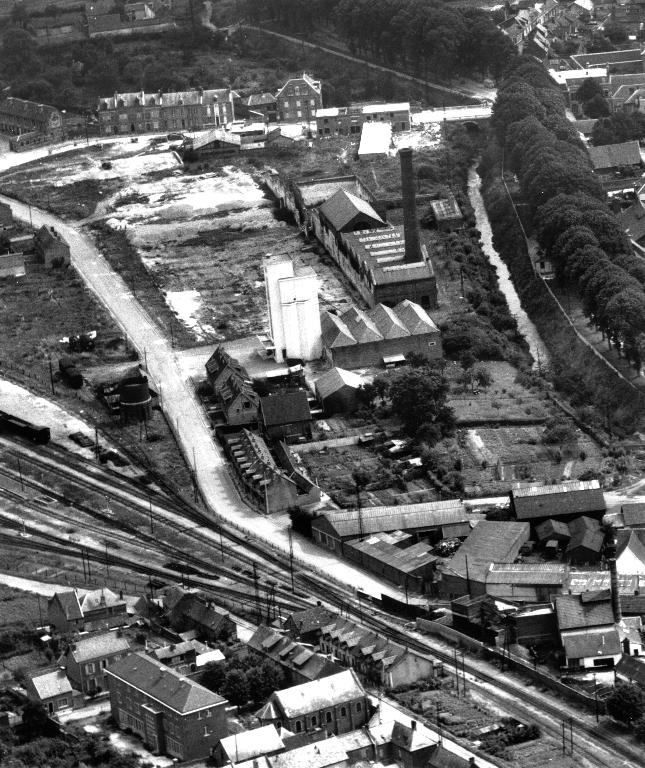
[558, 502]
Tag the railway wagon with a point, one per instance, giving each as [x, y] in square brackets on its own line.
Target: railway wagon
[10, 424]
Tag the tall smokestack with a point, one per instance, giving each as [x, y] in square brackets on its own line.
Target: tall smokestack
[408, 193]
[610, 553]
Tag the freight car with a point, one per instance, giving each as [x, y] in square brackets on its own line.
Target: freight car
[14, 425]
[70, 373]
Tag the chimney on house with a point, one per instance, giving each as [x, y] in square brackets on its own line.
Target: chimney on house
[413, 725]
[410, 223]
[610, 554]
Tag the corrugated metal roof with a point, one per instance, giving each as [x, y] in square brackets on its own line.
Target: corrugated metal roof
[527, 573]
[571, 499]
[573, 613]
[490, 541]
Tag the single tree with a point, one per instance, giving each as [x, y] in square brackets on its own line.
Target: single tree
[625, 703]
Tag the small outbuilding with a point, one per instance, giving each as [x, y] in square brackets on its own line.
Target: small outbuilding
[286, 415]
[586, 542]
[336, 390]
[553, 530]
[51, 248]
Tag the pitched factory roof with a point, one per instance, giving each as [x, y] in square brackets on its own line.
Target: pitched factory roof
[249, 744]
[590, 643]
[334, 379]
[401, 106]
[381, 547]
[168, 99]
[357, 326]
[23, 108]
[285, 408]
[615, 155]
[573, 613]
[319, 694]
[527, 573]
[633, 515]
[586, 60]
[382, 253]
[431, 514]
[572, 498]
[491, 541]
[217, 134]
[98, 646]
[51, 684]
[163, 684]
[343, 206]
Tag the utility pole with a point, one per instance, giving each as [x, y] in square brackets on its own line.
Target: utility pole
[40, 613]
[221, 542]
[96, 442]
[22, 484]
[439, 731]
[51, 377]
[150, 503]
[258, 609]
[595, 695]
[293, 589]
[457, 672]
[107, 562]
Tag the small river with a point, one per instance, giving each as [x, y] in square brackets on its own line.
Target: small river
[526, 327]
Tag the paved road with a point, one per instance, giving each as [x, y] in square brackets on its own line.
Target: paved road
[182, 408]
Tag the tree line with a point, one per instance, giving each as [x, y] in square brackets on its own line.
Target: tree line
[421, 36]
[568, 208]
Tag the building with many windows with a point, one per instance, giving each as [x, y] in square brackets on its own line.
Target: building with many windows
[183, 111]
[171, 713]
[299, 99]
[86, 660]
[29, 123]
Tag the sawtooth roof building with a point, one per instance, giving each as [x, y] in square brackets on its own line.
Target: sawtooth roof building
[358, 338]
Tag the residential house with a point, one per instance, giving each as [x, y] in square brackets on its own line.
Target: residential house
[147, 112]
[172, 714]
[347, 121]
[613, 158]
[50, 247]
[272, 488]
[376, 659]
[336, 390]
[300, 663]
[184, 657]
[395, 558]
[30, 123]
[325, 753]
[87, 658]
[96, 609]
[285, 415]
[562, 501]
[490, 542]
[526, 582]
[337, 703]
[306, 625]
[585, 126]
[569, 80]
[264, 104]
[299, 99]
[553, 530]
[426, 520]
[53, 690]
[248, 745]
[194, 611]
[233, 388]
[378, 336]
[588, 630]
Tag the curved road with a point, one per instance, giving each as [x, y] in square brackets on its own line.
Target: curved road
[184, 411]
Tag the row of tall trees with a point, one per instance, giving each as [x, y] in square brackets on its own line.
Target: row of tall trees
[427, 37]
[567, 206]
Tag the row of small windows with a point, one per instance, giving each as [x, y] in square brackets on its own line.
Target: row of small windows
[328, 718]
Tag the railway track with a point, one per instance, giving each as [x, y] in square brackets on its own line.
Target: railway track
[527, 704]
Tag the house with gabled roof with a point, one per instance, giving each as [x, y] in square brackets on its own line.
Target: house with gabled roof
[247, 745]
[526, 582]
[300, 663]
[172, 714]
[286, 415]
[50, 247]
[53, 690]
[305, 625]
[95, 609]
[299, 99]
[588, 630]
[610, 158]
[633, 515]
[336, 390]
[193, 610]
[630, 552]
[87, 658]
[587, 540]
[337, 703]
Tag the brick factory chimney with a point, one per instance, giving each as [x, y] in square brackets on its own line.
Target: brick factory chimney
[408, 193]
[610, 553]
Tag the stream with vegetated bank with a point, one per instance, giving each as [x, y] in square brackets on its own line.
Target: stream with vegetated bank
[526, 327]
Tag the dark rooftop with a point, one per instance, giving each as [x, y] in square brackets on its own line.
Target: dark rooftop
[285, 408]
[571, 499]
[574, 614]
